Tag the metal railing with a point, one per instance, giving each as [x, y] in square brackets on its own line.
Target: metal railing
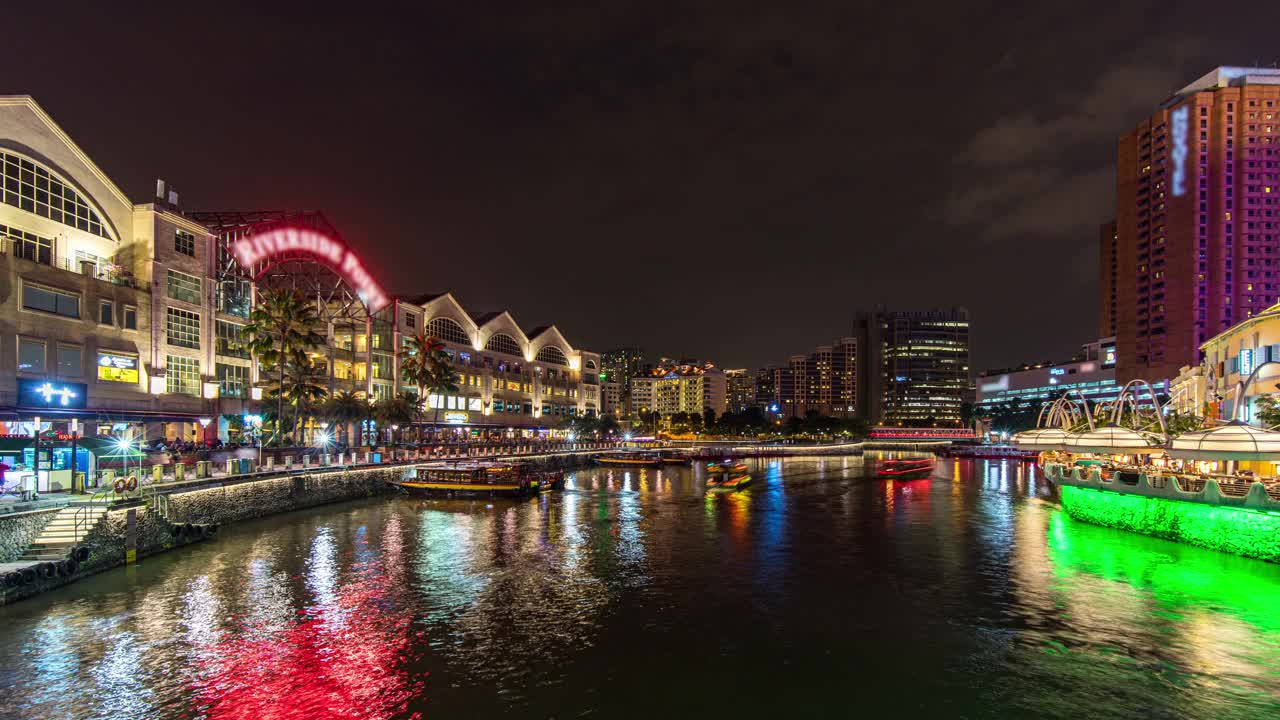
[84, 513]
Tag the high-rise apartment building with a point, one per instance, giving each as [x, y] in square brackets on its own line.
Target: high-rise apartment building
[1108, 264]
[740, 389]
[914, 366]
[1197, 219]
[824, 381]
[620, 365]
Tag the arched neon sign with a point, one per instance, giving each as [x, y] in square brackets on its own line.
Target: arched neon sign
[288, 243]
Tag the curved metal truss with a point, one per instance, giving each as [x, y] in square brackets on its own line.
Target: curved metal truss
[339, 305]
[1065, 412]
[1146, 415]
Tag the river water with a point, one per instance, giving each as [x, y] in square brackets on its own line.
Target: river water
[818, 591]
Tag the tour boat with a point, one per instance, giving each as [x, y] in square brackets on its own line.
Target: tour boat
[479, 478]
[726, 482]
[630, 458]
[676, 457]
[905, 468]
[726, 467]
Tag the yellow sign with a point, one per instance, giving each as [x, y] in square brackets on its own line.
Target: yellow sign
[117, 368]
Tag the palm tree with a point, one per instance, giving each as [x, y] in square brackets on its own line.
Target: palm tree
[304, 387]
[398, 410]
[442, 380]
[418, 359]
[282, 323]
[347, 408]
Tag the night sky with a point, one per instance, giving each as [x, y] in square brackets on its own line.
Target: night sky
[704, 179]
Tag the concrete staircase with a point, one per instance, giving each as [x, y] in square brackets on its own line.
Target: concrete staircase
[59, 536]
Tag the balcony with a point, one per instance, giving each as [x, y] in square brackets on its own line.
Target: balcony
[42, 255]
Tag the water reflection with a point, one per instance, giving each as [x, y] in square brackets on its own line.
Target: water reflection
[818, 577]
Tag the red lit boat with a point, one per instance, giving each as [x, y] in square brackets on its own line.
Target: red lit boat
[905, 468]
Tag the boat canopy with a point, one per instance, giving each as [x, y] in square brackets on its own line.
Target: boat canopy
[1233, 441]
[1041, 439]
[1113, 440]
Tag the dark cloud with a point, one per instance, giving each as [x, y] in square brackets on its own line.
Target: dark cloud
[710, 178]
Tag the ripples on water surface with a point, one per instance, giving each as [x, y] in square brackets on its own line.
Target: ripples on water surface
[817, 590]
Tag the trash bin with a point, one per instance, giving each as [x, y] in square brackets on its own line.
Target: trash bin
[202, 468]
[246, 466]
[157, 473]
[179, 472]
[375, 457]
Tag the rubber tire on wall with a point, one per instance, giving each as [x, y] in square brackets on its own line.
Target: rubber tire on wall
[28, 575]
[47, 569]
[189, 530]
[211, 530]
[70, 567]
[12, 579]
[80, 554]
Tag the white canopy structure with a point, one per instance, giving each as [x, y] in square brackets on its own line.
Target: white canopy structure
[1234, 441]
[1041, 439]
[1113, 440]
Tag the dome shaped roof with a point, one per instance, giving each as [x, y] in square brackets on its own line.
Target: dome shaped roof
[1041, 439]
[1114, 440]
[1234, 441]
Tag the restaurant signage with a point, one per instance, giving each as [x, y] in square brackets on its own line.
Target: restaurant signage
[117, 368]
[51, 394]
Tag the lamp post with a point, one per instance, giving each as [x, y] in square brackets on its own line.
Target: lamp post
[36, 464]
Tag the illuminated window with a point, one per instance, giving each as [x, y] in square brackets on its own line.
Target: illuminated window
[182, 375]
[184, 242]
[184, 287]
[232, 380]
[33, 188]
[552, 354]
[446, 329]
[183, 328]
[504, 344]
[229, 340]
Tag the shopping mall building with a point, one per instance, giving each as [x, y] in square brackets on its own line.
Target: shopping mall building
[125, 318]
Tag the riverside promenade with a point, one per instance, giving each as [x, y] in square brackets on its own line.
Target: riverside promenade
[52, 542]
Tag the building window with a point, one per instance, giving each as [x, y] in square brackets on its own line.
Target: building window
[382, 367]
[184, 242]
[106, 313]
[29, 246]
[232, 380]
[30, 355]
[552, 354]
[182, 375]
[410, 320]
[129, 318]
[36, 190]
[50, 301]
[381, 392]
[184, 287]
[183, 328]
[446, 329]
[229, 340]
[504, 344]
[70, 360]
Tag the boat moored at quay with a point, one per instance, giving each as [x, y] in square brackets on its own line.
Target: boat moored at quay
[1217, 487]
[512, 479]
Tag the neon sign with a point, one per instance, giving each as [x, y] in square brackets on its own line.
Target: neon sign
[45, 394]
[1179, 120]
[290, 242]
[456, 418]
[1057, 371]
[1246, 361]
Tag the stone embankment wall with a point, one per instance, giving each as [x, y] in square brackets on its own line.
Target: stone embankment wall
[211, 504]
[19, 530]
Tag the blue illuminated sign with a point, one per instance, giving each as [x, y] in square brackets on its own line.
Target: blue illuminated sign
[51, 394]
[1057, 371]
[1246, 362]
[1180, 128]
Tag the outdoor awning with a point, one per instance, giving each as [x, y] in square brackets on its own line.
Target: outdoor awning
[1041, 439]
[1113, 440]
[1235, 441]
